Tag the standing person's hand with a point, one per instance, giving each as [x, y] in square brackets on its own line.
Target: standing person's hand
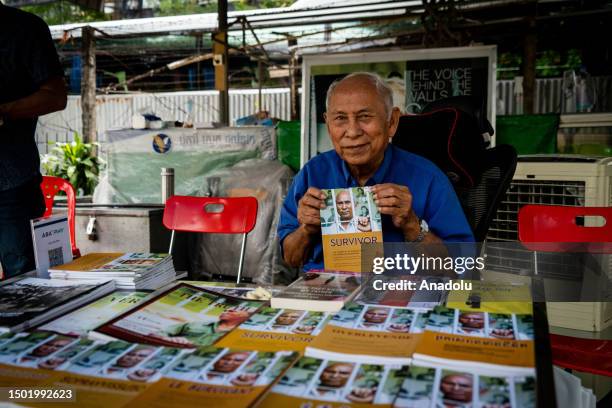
[309, 210]
[396, 201]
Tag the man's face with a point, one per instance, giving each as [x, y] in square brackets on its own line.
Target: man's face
[50, 347]
[287, 318]
[233, 317]
[134, 357]
[336, 375]
[357, 122]
[472, 320]
[344, 206]
[457, 387]
[230, 362]
[376, 315]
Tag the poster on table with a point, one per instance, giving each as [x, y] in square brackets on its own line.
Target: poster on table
[417, 77]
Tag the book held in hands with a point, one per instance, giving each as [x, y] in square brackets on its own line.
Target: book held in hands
[350, 218]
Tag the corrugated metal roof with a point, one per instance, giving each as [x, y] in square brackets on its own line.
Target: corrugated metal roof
[263, 18]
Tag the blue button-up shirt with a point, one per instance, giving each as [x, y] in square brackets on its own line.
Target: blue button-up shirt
[433, 197]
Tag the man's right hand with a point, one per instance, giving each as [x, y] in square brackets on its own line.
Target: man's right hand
[309, 210]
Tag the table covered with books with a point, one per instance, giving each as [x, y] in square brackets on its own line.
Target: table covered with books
[210, 344]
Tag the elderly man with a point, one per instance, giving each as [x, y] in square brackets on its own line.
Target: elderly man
[415, 198]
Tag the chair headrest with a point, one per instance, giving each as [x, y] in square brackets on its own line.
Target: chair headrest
[467, 105]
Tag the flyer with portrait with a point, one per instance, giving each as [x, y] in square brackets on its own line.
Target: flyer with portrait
[432, 386]
[183, 316]
[272, 329]
[330, 382]
[350, 218]
[477, 338]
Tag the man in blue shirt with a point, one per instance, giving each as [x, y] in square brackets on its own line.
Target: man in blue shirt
[416, 200]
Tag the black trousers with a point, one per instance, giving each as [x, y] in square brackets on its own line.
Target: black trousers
[17, 207]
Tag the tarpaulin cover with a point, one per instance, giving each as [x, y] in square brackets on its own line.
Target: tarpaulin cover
[209, 254]
[529, 134]
[134, 159]
[288, 134]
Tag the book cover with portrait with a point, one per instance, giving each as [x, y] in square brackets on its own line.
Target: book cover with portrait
[473, 336]
[334, 383]
[272, 329]
[439, 386]
[217, 376]
[394, 329]
[350, 218]
[106, 373]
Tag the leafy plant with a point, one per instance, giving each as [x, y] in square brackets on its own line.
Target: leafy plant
[75, 162]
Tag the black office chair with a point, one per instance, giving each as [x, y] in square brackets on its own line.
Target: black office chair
[451, 137]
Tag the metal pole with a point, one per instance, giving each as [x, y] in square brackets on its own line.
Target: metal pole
[167, 183]
[242, 250]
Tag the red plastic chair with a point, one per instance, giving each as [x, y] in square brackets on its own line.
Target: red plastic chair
[554, 229]
[50, 186]
[224, 215]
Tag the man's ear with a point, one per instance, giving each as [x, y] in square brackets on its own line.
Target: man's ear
[394, 121]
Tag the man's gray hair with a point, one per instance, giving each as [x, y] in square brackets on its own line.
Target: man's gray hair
[384, 91]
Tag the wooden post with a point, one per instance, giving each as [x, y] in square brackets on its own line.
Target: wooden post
[199, 40]
[220, 61]
[88, 85]
[260, 75]
[293, 81]
[529, 69]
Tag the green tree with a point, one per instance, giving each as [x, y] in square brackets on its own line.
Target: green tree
[63, 12]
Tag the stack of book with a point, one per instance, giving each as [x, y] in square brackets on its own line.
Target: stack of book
[28, 302]
[131, 270]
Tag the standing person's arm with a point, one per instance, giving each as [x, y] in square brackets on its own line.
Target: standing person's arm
[38, 60]
[298, 243]
[50, 97]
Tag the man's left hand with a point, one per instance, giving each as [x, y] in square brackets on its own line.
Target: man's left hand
[396, 201]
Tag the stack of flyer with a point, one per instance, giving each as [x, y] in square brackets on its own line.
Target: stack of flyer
[131, 270]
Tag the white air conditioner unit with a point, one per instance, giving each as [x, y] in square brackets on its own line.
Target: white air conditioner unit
[569, 180]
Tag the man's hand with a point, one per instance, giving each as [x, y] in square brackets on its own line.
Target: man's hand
[309, 210]
[297, 244]
[396, 201]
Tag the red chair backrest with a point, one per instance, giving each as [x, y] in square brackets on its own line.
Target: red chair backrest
[50, 186]
[229, 215]
[556, 225]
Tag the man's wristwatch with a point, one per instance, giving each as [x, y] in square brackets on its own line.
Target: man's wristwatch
[424, 229]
